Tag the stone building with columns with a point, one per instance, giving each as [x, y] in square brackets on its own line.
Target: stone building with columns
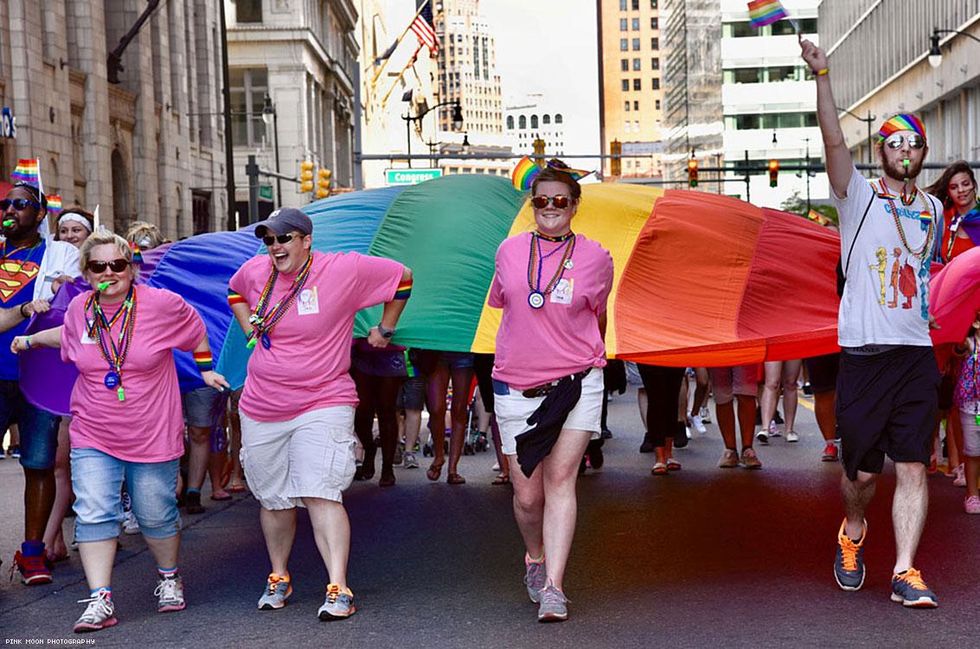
[302, 54]
[149, 147]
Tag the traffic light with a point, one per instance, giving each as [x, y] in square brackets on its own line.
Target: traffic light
[616, 164]
[773, 173]
[692, 172]
[538, 147]
[305, 177]
[323, 183]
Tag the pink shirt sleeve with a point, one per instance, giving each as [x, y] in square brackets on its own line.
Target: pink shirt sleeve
[496, 298]
[71, 329]
[188, 327]
[606, 277]
[375, 279]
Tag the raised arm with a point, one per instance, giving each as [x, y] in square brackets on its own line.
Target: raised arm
[46, 338]
[838, 157]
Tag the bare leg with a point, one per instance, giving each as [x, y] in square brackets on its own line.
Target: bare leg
[560, 471]
[770, 392]
[413, 423]
[641, 401]
[972, 466]
[331, 529]
[279, 530]
[725, 418]
[824, 409]
[746, 418]
[54, 541]
[97, 559]
[857, 495]
[462, 379]
[791, 373]
[529, 505]
[701, 391]
[164, 550]
[909, 508]
[235, 442]
[200, 453]
[435, 401]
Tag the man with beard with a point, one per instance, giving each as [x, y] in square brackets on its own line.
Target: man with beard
[888, 381]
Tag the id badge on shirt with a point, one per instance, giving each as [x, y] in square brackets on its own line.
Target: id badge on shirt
[563, 291]
[307, 303]
[85, 338]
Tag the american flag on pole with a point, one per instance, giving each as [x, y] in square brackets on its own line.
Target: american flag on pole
[422, 26]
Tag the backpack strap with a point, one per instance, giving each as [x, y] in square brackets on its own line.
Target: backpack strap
[850, 250]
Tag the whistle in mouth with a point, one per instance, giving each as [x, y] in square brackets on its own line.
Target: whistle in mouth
[906, 162]
[102, 286]
[8, 222]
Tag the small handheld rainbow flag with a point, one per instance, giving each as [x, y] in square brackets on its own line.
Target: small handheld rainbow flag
[27, 171]
[54, 204]
[765, 12]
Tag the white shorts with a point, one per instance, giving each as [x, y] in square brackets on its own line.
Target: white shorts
[513, 409]
[971, 432]
[311, 456]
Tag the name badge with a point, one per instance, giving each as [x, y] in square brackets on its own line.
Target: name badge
[307, 303]
[563, 291]
[85, 339]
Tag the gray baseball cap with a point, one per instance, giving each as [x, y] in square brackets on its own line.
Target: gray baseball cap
[283, 220]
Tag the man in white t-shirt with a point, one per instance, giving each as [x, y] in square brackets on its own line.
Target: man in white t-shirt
[887, 388]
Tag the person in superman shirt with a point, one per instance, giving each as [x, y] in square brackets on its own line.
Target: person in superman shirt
[31, 268]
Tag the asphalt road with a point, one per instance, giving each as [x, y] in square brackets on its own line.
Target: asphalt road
[701, 558]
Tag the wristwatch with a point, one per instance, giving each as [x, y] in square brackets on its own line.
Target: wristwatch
[385, 333]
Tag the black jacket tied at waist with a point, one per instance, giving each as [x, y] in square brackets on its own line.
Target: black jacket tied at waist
[560, 399]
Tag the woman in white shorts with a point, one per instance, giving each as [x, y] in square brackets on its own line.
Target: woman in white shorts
[552, 286]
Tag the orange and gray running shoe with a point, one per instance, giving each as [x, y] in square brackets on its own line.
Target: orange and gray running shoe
[849, 561]
[909, 589]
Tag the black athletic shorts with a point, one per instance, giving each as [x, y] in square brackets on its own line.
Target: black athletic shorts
[822, 372]
[887, 404]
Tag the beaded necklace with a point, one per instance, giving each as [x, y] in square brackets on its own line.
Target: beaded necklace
[113, 353]
[923, 253]
[954, 226]
[264, 319]
[535, 266]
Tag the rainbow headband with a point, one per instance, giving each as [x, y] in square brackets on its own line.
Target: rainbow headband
[901, 122]
[527, 170]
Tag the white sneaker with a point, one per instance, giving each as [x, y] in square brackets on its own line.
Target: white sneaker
[763, 437]
[698, 424]
[774, 429]
[705, 415]
[99, 614]
[409, 461]
[960, 479]
[792, 436]
[130, 525]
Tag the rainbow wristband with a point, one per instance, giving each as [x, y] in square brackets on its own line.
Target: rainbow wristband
[204, 361]
[404, 290]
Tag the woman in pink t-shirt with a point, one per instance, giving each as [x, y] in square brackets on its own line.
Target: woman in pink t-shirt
[552, 286]
[126, 416]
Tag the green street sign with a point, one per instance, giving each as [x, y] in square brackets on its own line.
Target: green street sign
[410, 176]
[265, 192]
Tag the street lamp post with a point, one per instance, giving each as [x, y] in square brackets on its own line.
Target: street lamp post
[867, 120]
[935, 54]
[270, 118]
[457, 122]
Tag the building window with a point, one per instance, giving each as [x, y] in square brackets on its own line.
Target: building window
[622, 5]
[558, 119]
[625, 85]
[783, 73]
[635, 26]
[654, 63]
[637, 84]
[656, 83]
[248, 11]
[624, 65]
[534, 121]
[626, 106]
[654, 23]
[510, 122]
[522, 122]
[546, 119]
[636, 104]
[655, 43]
[636, 64]
[653, 4]
[247, 88]
[636, 44]
[656, 104]
[739, 30]
[636, 5]
[624, 44]
[623, 24]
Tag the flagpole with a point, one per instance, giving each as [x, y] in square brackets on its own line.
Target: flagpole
[411, 63]
[377, 73]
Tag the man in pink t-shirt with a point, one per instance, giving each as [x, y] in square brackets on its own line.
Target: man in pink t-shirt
[297, 409]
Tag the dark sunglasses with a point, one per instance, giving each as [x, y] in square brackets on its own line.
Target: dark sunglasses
[18, 203]
[116, 265]
[281, 238]
[560, 201]
[896, 140]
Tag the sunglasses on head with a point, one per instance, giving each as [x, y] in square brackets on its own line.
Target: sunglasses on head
[116, 265]
[560, 201]
[270, 239]
[896, 140]
[18, 203]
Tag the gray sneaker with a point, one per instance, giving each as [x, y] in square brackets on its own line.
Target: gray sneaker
[535, 578]
[553, 606]
[277, 591]
[729, 459]
[338, 604]
[170, 595]
[750, 460]
[409, 460]
[99, 614]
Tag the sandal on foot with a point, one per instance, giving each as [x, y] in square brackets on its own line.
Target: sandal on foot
[455, 478]
[673, 465]
[220, 494]
[501, 479]
[435, 470]
[235, 488]
[659, 469]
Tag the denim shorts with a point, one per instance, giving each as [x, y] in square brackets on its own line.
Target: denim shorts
[38, 428]
[199, 406]
[411, 396]
[96, 479]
